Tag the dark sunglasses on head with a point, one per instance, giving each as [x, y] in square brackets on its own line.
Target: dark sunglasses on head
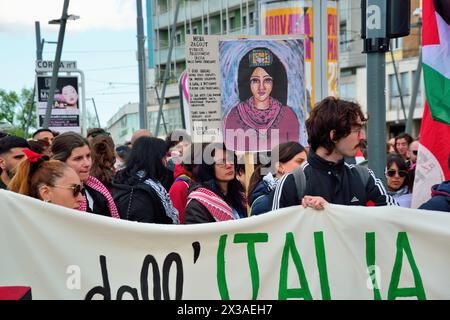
[401, 173]
[76, 189]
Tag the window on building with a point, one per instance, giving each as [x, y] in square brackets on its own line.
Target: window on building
[194, 30]
[348, 91]
[394, 97]
[206, 31]
[405, 84]
[397, 43]
[251, 18]
[232, 21]
[344, 42]
[178, 39]
[244, 21]
[419, 90]
[224, 25]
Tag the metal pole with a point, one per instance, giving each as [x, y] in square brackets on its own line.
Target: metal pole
[376, 106]
[398, 83]
[83, 103]
[39, 42]
[96, 114]
[162, 113]
[256, 17]
[319, 60]
[375, 45]
[39, 49]
[227, 17]
[51, 94]
[166, 71]
[143, 122]
[416, 85]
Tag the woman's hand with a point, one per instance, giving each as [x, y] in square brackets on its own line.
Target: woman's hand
[314, 202]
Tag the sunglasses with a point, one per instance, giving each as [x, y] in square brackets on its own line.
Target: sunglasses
[76, 189]
[401, 173]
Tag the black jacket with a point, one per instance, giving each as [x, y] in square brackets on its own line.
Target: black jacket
[440, 198]
[100, 205]
[337, 183]
[139, 203]
[196, 212]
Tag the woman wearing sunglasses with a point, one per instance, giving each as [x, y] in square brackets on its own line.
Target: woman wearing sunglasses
[48, 180]
[398, 180]
[74, 150]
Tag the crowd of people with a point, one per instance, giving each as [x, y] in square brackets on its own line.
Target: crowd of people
[175, 181]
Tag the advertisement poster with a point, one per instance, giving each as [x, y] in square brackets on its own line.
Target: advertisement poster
[263, 94]
[66, 108]
[332, 49]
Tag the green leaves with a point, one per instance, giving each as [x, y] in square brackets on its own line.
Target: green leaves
[17, 111]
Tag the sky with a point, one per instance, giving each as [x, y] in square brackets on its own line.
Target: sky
[103, 42]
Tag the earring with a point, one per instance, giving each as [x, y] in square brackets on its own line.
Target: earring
[46, 201]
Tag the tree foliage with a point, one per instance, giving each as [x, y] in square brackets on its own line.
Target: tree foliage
[17, 111]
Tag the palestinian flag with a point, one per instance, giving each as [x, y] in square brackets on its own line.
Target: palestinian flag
[434, 149]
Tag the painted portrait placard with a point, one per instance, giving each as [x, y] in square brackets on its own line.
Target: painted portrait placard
[262, 92]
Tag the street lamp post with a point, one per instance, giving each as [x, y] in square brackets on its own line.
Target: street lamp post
[62, 22]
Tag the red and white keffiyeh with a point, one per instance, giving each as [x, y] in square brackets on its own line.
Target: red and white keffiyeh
[95, 184]
[218, 208]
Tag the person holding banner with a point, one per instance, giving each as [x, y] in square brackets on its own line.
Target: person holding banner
[262, 84]
[335, 130]
[218, 196]
[285, 158]
[74, 150]
[48, 180]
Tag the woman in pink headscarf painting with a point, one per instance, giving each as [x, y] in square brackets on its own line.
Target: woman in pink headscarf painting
[262, 111]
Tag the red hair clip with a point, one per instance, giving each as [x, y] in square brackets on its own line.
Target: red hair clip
[32, 156]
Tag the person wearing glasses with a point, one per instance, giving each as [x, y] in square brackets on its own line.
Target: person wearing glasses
[75, 151]
[52, 181]
[217, 195]
[398, 179]
[412, 152]
[335, 130]
[262, 84]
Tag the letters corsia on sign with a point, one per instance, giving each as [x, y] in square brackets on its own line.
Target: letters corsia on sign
[47, 65]
[343, 252]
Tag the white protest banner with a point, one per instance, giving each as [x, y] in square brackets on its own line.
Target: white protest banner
[339, 253]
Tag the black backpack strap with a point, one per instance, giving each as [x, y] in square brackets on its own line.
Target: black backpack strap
[300, 182]
[363, 173]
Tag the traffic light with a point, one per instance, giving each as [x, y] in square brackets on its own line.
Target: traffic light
[398, 18]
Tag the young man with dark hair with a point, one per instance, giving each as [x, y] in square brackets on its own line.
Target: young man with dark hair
[10, 155]
[44, 134]
[335, 130]
[402, 142]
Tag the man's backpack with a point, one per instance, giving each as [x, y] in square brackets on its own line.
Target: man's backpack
[300, 178]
